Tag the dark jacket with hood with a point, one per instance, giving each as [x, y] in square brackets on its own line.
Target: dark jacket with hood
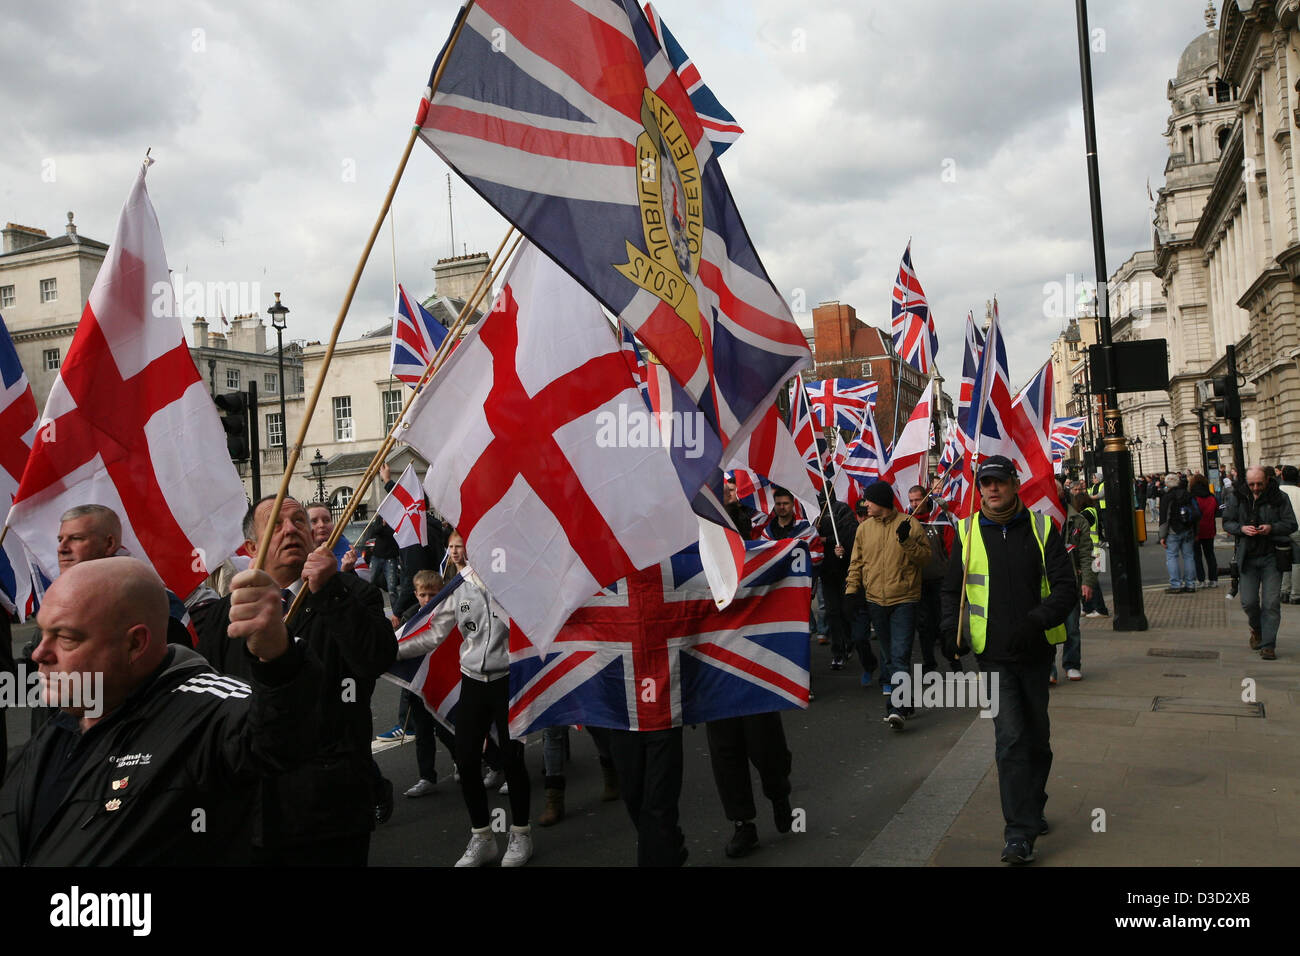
[185, 741]
[1272, 507]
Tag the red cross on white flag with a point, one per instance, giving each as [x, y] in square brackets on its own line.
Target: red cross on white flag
[549, 465]
[129, 425]
[403, 510]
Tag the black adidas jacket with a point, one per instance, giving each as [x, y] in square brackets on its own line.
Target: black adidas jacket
[172, 774]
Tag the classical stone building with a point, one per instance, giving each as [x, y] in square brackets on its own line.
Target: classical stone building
[1227, 232]
[44, 285]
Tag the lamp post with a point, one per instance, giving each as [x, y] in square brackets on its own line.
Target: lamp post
[1136, 444]
[318, 472]
[1163, 426]
[278, 322]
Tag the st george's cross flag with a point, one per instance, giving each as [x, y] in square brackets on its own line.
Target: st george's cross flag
[907, 458]
[719, 125]
[549, 468]
[841, 402]
[403, 510]
[654, 652]
[569, 119]
[417, 335]
[129, 424]
[913, 325]
[17, 431]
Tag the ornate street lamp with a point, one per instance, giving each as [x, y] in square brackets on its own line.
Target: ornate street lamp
[318, 472]
[1163, 426]
[279, 322]
[1136, 444]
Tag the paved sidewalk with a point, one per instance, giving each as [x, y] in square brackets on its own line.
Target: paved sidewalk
[1156, 744]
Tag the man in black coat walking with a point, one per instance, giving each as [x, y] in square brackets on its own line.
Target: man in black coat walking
[323, 812]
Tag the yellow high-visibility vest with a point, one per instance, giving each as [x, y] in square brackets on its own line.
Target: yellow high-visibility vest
[977, 582]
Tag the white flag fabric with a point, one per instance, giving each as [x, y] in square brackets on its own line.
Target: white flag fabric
[129, 424]
[908, 459]
[403, 510]
[549, 463]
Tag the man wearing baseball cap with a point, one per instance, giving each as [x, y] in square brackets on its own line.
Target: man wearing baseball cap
[1011, 580]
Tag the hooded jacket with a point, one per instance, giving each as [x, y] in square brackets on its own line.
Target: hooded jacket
[484, 629]
[1272, 507]
[170, 777]
[889, 572]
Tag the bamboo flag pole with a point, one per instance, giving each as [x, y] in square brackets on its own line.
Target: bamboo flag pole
[292, 461]
[438, 360]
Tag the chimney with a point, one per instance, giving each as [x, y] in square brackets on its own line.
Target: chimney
[456, 277]
[20, 237]
[200, 333]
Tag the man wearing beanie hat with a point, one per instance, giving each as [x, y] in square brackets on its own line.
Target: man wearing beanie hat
[889, 550]
[1019, 587]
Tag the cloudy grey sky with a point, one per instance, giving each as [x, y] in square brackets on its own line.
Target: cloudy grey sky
[276, 128]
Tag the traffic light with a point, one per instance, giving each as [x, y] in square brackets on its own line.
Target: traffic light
[1212, 436]
[1223, 391]
[233, 407]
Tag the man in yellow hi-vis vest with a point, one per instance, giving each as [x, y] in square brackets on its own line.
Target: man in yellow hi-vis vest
[1013, 595]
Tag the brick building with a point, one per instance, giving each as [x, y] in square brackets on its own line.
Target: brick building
[846, 347]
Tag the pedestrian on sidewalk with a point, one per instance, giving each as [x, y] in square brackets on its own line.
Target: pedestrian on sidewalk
[889, 551]
[1207, 566]
[1290, 486]
[1014, 594]
[1262, 520]
[1179, 514]
[1088, 506]
[1078, 544]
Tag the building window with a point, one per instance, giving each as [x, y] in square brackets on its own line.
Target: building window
[866, 370]
[339, 500]
[49, 290]
[343, 418]
[51, 359]
[392, 408]
[270, 383]
[232, 378]
[274, 431]
[6, 296]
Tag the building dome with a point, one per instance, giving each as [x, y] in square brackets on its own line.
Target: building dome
[1201, 54]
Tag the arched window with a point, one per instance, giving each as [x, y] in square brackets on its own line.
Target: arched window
[1224, 133]
[338, 501]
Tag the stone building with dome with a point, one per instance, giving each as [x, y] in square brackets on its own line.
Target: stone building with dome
[1227, 233]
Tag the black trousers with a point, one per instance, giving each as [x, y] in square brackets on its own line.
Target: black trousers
[1023, 734]
[834, 577]
[484, 704]
[735, 743]
[928, 613]
[649, 767]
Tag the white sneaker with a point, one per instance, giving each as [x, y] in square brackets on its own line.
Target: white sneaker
[1093, 614]
[520, 848]
[482, 849]
[493, 779]
[422, 788]
[1074, 673]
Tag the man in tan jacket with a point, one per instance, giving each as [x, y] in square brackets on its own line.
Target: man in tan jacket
[889, 551]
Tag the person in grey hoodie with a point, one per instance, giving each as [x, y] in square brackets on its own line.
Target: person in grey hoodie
[484, 628]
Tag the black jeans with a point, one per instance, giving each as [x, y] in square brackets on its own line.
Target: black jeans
[649, 767]
[928, 613]
[735, 743]
[833, 580]
[1023, 734]
[1203, 554]
[484, 704]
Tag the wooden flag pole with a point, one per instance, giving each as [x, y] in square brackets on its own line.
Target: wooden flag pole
[483, 286]
[292, 460]
[827, 491]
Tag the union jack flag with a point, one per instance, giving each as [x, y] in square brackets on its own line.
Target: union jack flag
[560, 112]
[865, 459]
[434, 677]
[417, 335]
[1065, 432]
[913, 325]
[1031, 430]
[805, 435]
[719, 125]
[841, 402]
[965, 395]
[17, 431]
[653, 651]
